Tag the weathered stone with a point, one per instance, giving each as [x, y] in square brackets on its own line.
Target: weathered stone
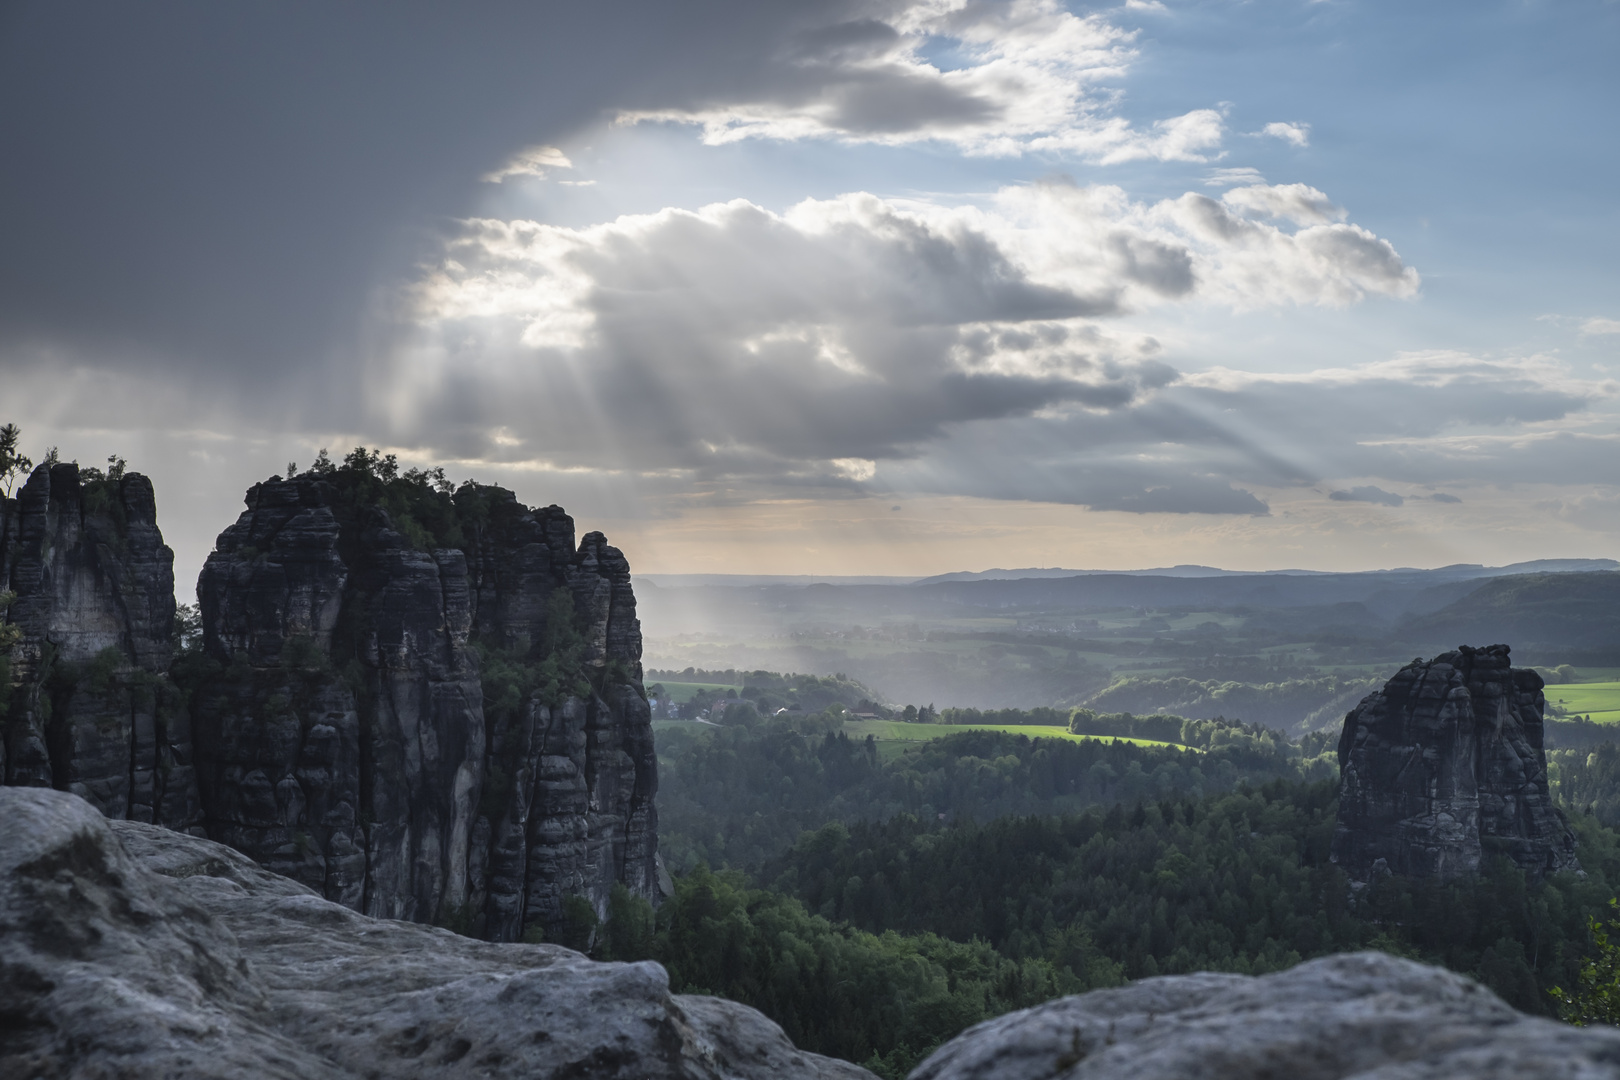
[1445, 766]
[90, 710]
[133, 951]
[344, 741]
[1356, 1015]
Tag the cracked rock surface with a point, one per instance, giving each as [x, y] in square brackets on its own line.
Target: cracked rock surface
[129, 950]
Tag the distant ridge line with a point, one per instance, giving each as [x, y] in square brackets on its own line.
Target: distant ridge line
[1186, 570]
[1457, 571]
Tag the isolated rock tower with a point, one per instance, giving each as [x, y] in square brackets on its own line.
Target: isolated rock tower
[1444, 767]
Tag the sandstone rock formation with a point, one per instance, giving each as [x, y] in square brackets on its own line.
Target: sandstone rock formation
[334, 726]
[133, 951]
[1356, 1015]
[343, 734]
[85, 706]
[1443, 767]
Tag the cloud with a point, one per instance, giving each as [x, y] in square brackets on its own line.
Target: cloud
[1295, 134]
[851, 343]
[1442, 497]
[734, 342]
[1600, 326]
[1226, 177]
[247, 180]
[1596, 510]
[992, 78]
[1095, 240]
[536, 162]
[1292, 202]
[1367, 494]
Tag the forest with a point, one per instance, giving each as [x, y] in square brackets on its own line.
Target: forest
[875, 908]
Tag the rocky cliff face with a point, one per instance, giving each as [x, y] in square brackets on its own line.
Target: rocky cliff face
[86, 705]
[352, 622]
[132, 951]
[1444, 766]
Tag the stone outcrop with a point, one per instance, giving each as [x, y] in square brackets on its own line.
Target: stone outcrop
[133, 951]
[343, 734]
[1444, 767]
[1356, 1015]
[86, 706]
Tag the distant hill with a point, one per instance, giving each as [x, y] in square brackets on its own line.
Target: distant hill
[1533, 612]
[1456, 571]
[1184, 571]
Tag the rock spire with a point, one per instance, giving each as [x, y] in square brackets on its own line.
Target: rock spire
[426, 707]
[85, 705]
[1444, 767]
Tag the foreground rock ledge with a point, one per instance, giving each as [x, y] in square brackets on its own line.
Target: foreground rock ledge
[128, 950]
[1357, 1015]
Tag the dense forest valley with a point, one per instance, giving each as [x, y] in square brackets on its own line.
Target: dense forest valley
[876, 895]
[1102, 777]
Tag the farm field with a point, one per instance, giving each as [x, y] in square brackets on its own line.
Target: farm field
[894, 736]
[1599, 700]
[894, 732]
[682, 692]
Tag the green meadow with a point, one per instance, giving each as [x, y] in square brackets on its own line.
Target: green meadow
[1599, 700]
[894, 732]
[682, 692]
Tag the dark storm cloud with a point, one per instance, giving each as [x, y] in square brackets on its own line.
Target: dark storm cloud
[1025, 76]
[217, 217]
[1368, 494]
[219, 190]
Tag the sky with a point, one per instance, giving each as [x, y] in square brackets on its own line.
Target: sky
[840, 286]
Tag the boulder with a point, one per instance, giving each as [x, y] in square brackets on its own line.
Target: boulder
[1355, 1015]
[1444, 767]
[134, 951]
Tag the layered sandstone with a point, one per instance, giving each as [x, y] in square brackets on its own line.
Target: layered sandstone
[87, 707]
[1445, 767]
[343, 735]
[333, 724]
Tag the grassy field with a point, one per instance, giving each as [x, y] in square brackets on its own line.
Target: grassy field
[895, 734]
[682, 692]
[1599, 700]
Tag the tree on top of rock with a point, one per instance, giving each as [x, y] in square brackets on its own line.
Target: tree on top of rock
[12, 464]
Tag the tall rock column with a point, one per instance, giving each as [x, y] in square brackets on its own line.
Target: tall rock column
[1445, 766]
[573, 773]
[344, 731]
[277, 724]
[341, 736]
[88, 708]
